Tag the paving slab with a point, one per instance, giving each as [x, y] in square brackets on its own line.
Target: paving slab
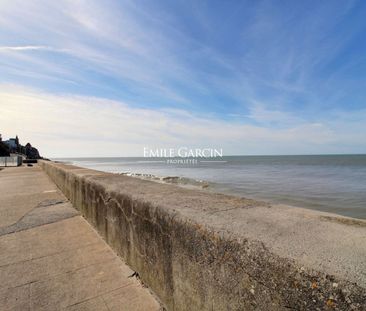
[51, 258]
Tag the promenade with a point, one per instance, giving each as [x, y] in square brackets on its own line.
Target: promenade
[194, 249]
[208, 251]
[51, 258]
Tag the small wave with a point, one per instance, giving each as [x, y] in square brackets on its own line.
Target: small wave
[151, 161]
[180, 181]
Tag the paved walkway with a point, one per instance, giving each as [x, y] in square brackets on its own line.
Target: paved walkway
[51, 258]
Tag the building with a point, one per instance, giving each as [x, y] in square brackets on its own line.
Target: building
[12, 160]
[12, 143]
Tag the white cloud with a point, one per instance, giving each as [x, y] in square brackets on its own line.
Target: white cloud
[143, 51]
[71, 125]
[24, 48]
[113, 39]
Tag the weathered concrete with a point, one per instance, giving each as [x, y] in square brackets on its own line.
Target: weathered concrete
[51, 258]
[201, 251]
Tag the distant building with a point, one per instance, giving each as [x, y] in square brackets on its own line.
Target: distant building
[12, 144]
[12, 160]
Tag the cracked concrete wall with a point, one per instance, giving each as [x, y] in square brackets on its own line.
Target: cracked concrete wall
[188, 260]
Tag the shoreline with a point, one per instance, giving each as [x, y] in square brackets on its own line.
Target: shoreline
[190, 245]
[205, 188]
[217, 188]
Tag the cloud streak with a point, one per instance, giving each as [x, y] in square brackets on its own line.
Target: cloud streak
[260, 72]
[150, 50]
[24, 48]
[68, 125]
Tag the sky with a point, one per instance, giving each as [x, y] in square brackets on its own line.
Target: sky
[108, 78]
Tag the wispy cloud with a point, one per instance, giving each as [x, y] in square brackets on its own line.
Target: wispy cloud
[150, 50]
[24, 48]
[261, 71]
[102, 127]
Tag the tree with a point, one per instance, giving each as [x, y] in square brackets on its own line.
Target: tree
[4, 150]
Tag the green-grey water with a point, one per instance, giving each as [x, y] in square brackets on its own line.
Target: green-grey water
[331, 183]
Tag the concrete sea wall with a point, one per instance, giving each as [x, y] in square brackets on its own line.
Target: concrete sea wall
[203, 251]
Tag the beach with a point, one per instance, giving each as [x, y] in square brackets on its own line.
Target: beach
[191, 246]
[328, 183]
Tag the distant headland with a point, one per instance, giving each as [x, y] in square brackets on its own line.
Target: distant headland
[13, 146]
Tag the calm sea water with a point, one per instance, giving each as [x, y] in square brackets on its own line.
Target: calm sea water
[332, 183]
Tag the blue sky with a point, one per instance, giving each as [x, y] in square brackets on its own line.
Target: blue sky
[254, 77]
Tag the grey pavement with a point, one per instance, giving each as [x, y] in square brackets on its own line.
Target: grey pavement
[51, 258]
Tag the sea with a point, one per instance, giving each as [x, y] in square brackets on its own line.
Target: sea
[330, 183]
